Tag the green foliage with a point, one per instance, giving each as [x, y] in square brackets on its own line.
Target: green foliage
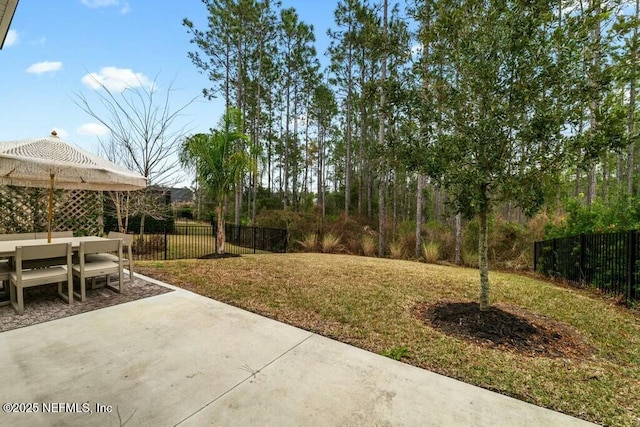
[219, 159]
[396, 353]
[619, 214]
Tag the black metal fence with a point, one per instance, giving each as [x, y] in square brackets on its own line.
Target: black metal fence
[184, 241]
[610, 262]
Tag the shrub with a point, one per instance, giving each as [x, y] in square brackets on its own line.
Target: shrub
[149, 244]
[298, 224]
[330, 244]
[431, 251]
[369, 245]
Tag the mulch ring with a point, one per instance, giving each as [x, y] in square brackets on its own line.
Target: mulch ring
[218, 256]
[42, 303]
[505, 327]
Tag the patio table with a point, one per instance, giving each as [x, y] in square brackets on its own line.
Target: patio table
[8, 248]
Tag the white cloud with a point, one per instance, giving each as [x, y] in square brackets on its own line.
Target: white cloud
[93, 129]
[41, 40]
[44, 67]
[95, 4]
[12, 38]
[116, 79]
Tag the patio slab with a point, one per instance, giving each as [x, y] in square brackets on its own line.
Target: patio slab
[183, 359]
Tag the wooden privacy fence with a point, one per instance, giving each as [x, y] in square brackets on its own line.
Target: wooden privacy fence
[609, 262]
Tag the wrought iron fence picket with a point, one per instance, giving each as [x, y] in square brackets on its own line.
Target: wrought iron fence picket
[196, 241]
[608, 261]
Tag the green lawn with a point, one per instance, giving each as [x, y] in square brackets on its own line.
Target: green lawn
[367, 302]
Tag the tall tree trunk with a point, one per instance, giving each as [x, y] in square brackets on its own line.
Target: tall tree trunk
[347, 166]
[286, 144]
[363, 130]
[419, 214]
[594, 125]
[483, 254]
[294, 147]
[632, 104]
[382, 212]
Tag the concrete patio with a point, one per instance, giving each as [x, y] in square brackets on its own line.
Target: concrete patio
[183, 359]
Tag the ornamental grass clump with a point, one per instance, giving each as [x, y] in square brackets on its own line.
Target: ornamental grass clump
[309, 243]
[369, 245]
[330, 244]
[397, 250]
[431, 251]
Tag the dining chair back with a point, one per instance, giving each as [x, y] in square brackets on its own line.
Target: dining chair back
[54, 234]
[52, 265]
[127, 244]
[17, 236]
[88, 267]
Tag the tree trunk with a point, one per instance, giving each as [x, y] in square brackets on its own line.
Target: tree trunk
[347, 166]
[457, 257]
[632, 105]
[142, 218]
[220, 236]
[382, 212]
[483, 251]
[419, 214]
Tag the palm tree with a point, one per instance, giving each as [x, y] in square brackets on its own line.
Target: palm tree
[219, 161]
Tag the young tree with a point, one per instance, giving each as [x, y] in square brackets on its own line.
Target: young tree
[219, 162]
[143, 137]
[506, 102]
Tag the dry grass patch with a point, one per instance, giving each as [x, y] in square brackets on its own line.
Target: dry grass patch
[370, 303]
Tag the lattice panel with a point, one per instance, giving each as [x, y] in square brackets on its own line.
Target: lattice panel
[24, 210]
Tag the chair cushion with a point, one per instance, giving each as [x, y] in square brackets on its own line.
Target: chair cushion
[97, 268]
[41, 276]
[105, 257]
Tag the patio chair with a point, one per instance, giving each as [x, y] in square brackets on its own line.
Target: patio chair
[88, 268]
[53, 262]
[127, 243]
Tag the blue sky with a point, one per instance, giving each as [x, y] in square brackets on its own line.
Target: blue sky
[53, 45]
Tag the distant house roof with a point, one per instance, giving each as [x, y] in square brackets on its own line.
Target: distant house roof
[179, 195]
[7, 9]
